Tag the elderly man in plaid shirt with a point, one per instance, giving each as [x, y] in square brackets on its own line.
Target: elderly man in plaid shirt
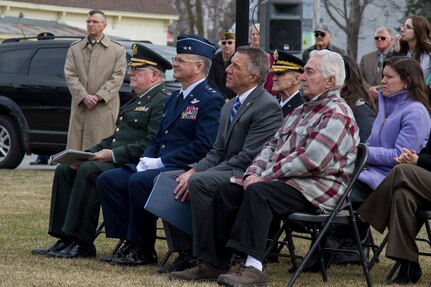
[306, 166]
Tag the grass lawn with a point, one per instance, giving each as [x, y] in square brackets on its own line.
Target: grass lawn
[24, 210]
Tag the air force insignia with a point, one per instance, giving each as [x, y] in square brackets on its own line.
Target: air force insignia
[194, 101]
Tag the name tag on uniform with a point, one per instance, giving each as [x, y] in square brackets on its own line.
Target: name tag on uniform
[141, 109]
[190, 113]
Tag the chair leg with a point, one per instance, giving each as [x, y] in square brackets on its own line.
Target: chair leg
[166, 257]
[373, 247]
[428, 229]
[275, 239]
[100, 229]
[291, 248]
[360, 247]
[315, 235]
[392, 272]
[376, 252]
[314, 247]
[117, 247]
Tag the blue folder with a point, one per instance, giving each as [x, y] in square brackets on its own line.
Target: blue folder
[162, 203]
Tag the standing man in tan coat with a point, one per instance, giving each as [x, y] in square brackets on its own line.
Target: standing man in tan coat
[94, 72]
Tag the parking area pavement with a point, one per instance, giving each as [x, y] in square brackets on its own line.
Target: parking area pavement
[25, 164]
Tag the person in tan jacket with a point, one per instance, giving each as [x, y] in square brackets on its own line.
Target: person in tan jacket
[94, 71]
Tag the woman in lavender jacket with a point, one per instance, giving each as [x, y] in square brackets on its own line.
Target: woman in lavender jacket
[403, 121]
[394, 203]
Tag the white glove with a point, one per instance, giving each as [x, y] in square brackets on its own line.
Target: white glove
[141, 165]
[149, 163]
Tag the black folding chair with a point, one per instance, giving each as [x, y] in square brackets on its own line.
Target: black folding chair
[319, 225]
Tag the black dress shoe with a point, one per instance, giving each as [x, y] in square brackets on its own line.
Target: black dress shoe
[181, 263]
[58, 246]
[75, 250]
[410, 271]
[121, 252]
[135, 257]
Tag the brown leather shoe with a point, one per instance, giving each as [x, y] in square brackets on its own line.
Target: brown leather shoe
[201, 272]
[246, 276]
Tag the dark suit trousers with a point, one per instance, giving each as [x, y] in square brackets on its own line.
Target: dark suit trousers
[74, 203]
[240, 220]
[123, 194]
[394, 204]
[202, 187]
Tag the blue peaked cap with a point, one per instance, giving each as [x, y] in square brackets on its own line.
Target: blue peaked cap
[192, 44]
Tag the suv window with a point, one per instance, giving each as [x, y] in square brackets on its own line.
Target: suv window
[48, 62]
[11, 60]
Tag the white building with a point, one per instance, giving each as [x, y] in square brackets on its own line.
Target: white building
[136, 20]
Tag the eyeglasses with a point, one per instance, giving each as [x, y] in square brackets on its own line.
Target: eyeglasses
[136, 69]
[319, 34]
[183, 61]
[380, 38]
[406, 27]
[227, 42]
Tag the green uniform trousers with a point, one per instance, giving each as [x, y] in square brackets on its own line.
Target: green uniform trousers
[75, 204]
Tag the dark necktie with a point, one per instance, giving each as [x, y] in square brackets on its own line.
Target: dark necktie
[235, 108]
[180, 99]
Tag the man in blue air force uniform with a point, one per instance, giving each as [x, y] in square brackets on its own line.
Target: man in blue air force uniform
[187, 132]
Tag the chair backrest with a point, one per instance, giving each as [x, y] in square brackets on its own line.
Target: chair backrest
[361, 160]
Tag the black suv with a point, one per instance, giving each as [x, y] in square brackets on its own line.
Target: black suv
[34, 99]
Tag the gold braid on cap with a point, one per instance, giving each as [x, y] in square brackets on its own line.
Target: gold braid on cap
[139, 62]
[286, 65]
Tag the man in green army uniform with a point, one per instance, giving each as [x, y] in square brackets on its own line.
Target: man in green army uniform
[74, 204]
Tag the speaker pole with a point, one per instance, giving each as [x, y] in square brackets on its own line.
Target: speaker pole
[241, 29]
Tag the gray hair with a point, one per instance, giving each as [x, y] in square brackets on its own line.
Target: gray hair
[205, 61]
[259, 62]
[331, 64]
[255, 26]
[162, 75]
[384, 29]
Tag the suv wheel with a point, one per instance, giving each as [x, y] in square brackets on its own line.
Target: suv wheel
[11, 151]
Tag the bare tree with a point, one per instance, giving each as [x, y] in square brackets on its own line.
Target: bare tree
[206, 18]
[348, 16]
[199, 18]
[190, 18]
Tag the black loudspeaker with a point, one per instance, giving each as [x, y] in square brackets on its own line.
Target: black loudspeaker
[285, 35]
[281, 25]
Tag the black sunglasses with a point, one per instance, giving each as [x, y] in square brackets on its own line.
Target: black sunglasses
[321, 34]
[226, 42]
[379, 38]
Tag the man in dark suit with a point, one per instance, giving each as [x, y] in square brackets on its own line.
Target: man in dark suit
[287, 70]
[371, 65]
[75, 204]
[246, 123]
[186, 134]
